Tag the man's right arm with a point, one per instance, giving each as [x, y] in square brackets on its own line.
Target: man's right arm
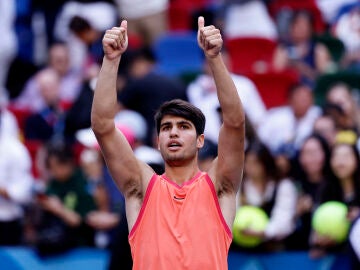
[125, 169]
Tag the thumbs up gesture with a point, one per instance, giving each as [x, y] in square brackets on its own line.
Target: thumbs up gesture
[209, 38]
[115, 41]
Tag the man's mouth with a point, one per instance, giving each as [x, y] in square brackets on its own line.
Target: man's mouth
[174, 145]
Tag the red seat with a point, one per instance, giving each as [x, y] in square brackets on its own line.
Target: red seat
[250, 54]
[20, 114]
[179, 16]
[180, 13]
[273, 86]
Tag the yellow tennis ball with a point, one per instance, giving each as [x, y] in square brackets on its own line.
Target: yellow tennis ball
[249, 217]
[330, 220]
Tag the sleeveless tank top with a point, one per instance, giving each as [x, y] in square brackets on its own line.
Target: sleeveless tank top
[180, 227]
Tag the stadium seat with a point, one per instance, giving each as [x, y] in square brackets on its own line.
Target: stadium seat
[177, 52]
[20, 114]
[250, 54]
[180, 13]
[273, 86]
[180, 16]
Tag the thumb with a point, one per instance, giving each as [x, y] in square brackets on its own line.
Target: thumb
[124, 24]
[201, 22]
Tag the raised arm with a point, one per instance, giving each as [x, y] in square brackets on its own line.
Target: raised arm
[125, 169]
[228, 167]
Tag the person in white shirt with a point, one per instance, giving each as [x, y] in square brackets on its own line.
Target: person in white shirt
[8, 44]
[8, 123]
[68, 81]
[202, 93]
[292, 123]
[16, 184]
[263, 187]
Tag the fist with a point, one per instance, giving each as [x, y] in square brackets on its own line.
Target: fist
[209, 38]
[115, 41]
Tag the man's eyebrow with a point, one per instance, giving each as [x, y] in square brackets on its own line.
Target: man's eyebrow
[183, 122]
[165, 123]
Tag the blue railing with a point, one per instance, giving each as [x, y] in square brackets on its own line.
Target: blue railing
[22, 258]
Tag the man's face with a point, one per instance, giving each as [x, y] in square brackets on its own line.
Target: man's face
[301, 101]
[59, 59]
[178, 141]
[340, 96]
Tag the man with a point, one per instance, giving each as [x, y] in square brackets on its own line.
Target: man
[289, 125]
[183, 218]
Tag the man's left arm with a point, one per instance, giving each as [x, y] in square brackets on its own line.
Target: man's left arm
[228, 167]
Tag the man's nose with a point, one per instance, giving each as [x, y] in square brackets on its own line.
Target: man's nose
[174, 131]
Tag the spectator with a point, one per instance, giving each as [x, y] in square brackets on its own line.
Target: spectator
[290, 124]
[325, 126]
[100, 14]
[147, 20]
[346, 28]
[9, 125]
[202, 93]
[340, 94]
[301, 52]
[82, 45]
[69, 82]
[311, 173]
[263, 187]
[66, 203]
[8, 45]
[47, 123]
[106, 217]
[344, 187]
[15, 187]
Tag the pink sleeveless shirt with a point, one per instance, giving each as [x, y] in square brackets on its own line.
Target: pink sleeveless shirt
[180, 227]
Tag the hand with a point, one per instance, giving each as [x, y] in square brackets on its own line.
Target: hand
[304, 205]
[209, 39]
[4, 193]
[101, 220]
[353, 213]
[115, 41]
[52, 204]
[323, 241]
[253, 233]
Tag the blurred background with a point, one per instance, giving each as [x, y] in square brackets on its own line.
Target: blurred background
[296, 65]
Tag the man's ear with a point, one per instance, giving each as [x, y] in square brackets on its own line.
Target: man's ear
[200, 141]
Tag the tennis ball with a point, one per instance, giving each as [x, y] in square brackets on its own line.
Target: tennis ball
[249, 217]
[330, 220]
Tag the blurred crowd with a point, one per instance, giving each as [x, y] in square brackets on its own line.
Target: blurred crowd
[295, 65]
